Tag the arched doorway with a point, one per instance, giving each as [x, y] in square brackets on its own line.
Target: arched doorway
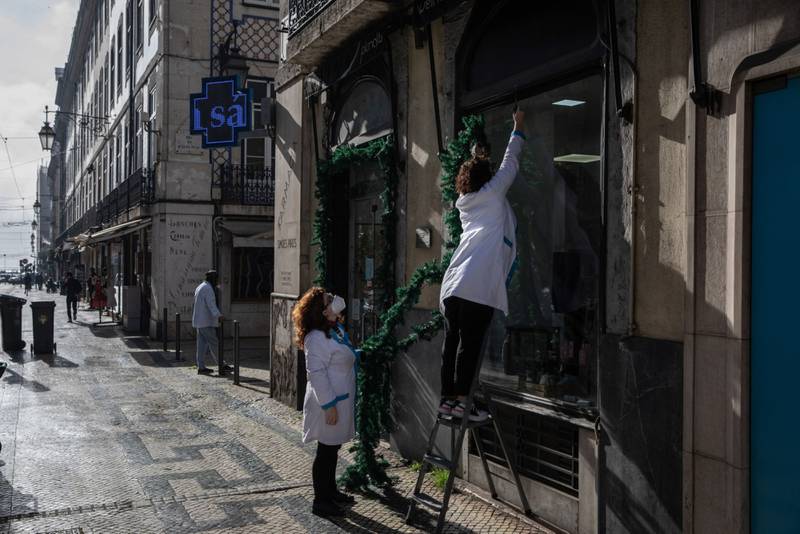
[355, 258]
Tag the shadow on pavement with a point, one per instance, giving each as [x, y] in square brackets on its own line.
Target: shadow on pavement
[355, 522]
[156, 358]
[13, 502]
[397, 504]
[54, 360]
[13, 378]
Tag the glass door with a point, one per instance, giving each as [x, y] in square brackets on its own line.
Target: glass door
[367, 237]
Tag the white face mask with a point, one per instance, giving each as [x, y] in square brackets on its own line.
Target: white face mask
[337, 305]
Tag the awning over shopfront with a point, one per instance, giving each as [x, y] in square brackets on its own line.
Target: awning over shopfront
[249, 233]
[77, 242]
[245, 227]
[119, 230]
[259, 240]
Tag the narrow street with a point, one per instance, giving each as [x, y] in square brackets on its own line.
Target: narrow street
[112, 435]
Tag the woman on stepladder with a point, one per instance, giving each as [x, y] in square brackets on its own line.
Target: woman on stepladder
[474, 284]
[328, 407]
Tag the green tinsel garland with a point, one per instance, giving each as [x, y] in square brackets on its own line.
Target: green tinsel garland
[373, 414]
[344, 157]
[374, 380]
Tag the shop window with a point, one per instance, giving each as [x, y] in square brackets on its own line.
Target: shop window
[252, 270]
[547, 345]
[257, 151]
[365, 115]
[537, 41]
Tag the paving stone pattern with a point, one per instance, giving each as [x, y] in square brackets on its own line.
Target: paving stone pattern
[112, 435]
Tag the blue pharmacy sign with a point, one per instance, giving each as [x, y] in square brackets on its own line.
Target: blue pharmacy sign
[220, 112]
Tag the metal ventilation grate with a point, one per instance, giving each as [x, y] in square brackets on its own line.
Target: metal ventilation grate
[543, 449]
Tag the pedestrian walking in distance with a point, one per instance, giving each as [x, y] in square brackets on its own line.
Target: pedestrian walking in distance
[205, 319]
[72, 288]
[90, 284]
[28, 281]
[474, 284]
[328, 407]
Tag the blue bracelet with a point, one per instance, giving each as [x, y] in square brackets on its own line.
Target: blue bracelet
[519, 134]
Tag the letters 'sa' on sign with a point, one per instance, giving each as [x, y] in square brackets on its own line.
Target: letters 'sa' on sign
[220, 112]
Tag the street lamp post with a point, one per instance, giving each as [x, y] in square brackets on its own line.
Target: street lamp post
[47, 135]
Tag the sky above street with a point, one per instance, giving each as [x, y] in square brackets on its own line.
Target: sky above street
[34, 39]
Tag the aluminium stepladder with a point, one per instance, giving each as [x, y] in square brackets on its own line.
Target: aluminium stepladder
[431, 460]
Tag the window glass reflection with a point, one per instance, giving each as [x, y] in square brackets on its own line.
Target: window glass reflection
[547, 346]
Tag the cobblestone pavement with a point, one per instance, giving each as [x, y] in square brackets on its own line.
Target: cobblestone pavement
[113, 435]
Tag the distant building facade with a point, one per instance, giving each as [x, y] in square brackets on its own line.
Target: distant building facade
[139, 198]
[44, 220]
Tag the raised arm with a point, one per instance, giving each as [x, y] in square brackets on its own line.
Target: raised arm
[509, 167]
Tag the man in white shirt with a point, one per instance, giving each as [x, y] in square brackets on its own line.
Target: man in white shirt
[205, 318]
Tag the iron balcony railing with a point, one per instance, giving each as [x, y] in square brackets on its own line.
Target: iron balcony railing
[247, 185]
[136, 190]
[301, 12]
[80, 226]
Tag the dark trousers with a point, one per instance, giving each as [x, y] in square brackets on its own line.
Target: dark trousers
[72, 307]
[323, 472]
[465, 324]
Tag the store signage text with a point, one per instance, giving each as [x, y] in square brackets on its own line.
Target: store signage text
[220, 112]
[429, 10]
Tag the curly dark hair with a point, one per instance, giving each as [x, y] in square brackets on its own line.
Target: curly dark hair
[473, 174]
[307, 315]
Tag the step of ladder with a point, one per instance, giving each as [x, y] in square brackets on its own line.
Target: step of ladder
[455, 422]
[438, 461]
[459, 428]
[426, 500]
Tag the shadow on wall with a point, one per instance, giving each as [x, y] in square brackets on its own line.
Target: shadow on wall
[640, 402]
[288, 135]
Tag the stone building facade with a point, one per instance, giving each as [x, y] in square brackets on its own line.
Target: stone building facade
[142, 200]
[626, 372]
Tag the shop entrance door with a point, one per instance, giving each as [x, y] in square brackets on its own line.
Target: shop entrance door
[775, 357]
[367, 235]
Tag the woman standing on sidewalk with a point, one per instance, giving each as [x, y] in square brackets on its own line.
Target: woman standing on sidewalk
[328, 408]
[474, 284]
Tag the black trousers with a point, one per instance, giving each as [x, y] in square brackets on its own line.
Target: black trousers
[465, 325]
[323, 472]
[72, 307]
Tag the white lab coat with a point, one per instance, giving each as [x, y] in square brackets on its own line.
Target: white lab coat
[330, 366]
[485, 258]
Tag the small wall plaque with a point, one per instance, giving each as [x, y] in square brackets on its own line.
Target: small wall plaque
[424, 237]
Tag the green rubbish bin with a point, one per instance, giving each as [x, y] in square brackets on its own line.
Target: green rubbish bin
[43, 312]
[11, 317]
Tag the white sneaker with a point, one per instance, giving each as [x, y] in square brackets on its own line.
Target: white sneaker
[446, 407]
[474, 414]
